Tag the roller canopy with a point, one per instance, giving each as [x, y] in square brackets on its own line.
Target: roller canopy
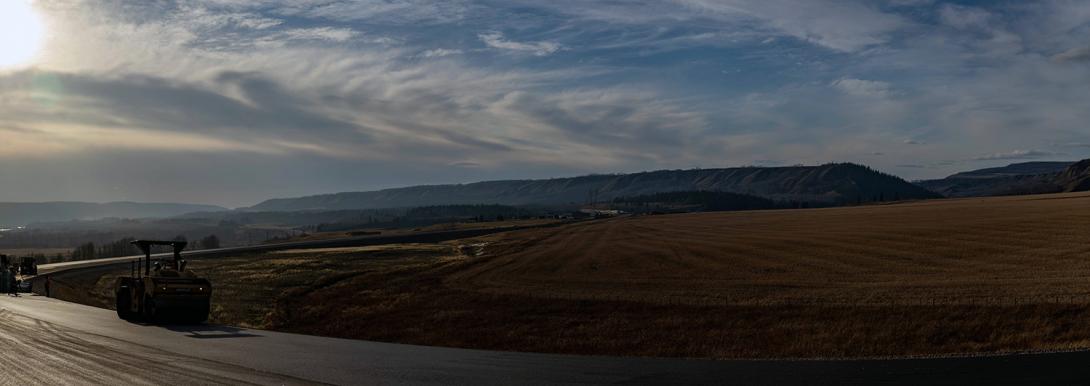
[145, 245]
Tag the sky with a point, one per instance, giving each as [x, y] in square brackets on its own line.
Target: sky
[231, 102]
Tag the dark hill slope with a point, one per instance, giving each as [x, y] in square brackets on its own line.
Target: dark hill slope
[1076, 178]
[826, 184]
[1019, 169]
[1021, 178]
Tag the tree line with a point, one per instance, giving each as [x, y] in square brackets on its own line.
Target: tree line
[698, 200]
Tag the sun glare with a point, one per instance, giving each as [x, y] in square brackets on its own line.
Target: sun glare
[21, 33]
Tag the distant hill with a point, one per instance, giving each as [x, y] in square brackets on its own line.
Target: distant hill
[19, 213]
[1020, 178]
[1027, 178]
[823, 185]
[1018, 169]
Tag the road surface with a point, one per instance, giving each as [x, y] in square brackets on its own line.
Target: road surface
[46, 341]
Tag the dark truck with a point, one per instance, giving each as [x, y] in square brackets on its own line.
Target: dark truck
[163, 293]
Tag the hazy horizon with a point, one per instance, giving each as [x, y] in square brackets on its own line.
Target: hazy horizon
[231, 102]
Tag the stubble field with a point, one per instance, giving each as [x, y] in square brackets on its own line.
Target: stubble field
[1011, 250]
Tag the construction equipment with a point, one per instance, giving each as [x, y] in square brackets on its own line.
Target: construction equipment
[162, 293]
[29, 266]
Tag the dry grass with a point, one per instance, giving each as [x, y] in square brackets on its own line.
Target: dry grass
[953, 276]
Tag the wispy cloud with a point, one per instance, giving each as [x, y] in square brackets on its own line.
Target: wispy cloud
[497, 40]
[321, 33]
[1076, 54]
[440, 52]
[845, 26]
[1017, 155]
[862, 87]
[965, 17]
[465, 164]
[397, 12]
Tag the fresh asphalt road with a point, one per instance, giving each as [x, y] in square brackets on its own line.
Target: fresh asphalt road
[46, 341]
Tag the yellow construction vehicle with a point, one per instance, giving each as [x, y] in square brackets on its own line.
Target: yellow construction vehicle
[162, 293]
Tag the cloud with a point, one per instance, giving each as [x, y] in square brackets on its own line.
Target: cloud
[146, 101]
[844, 26]
[465, 164]
[1016, 155]
[862, 87]
[839, 25]
[1076, 54]
[965, 17]
[910, 3]
[440, 52]
[160, 113]
[205, 18]
[321, 33]
[341, 101]
[394, 12]
[497, 40]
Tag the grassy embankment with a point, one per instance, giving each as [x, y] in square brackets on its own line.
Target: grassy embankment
[952, 276]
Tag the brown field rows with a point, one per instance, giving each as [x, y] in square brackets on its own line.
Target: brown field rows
[927, 278]
[998, 250]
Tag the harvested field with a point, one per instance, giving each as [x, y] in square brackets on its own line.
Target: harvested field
[928, 278]
[1009, 250]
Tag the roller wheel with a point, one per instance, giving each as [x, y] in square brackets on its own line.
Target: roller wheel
[124, 304]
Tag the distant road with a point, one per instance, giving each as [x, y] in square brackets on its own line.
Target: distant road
[47, 341]
[418, 237]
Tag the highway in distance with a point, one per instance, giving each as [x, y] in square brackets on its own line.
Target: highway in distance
[357, 241]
